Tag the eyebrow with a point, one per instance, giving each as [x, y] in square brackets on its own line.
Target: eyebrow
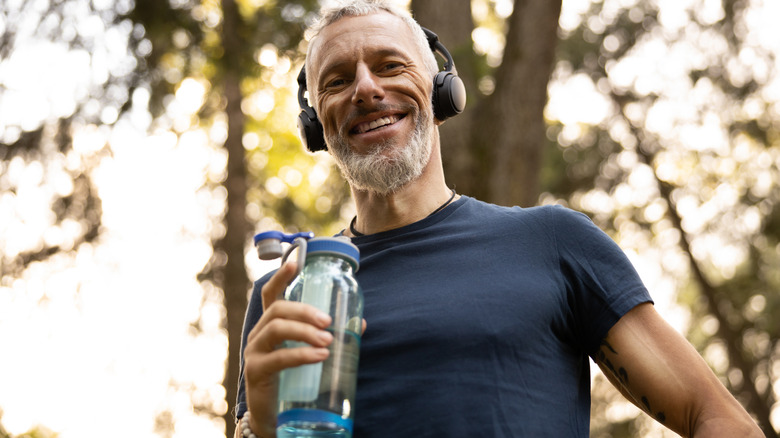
[342, 63]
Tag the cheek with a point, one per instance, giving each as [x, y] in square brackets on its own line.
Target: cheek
[328, 116]
[422, 90]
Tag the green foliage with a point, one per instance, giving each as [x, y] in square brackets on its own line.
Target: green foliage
[704, 197]
[185, 42]
[291, 189]
[162, 48]
[42, 142]
[686, 165]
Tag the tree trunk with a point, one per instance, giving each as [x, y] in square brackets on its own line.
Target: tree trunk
[451, 20]
[234, 279]
[494, 150]
[511, 121]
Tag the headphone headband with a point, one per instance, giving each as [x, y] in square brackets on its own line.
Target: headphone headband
[448, 97]
[437, 47]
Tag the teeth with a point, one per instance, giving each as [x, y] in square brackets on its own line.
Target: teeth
[382, 121]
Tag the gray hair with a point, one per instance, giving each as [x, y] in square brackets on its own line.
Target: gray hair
[359, 8]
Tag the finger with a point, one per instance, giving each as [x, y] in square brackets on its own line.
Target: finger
[268, 358]
[363, 329]
[274, 288]
[276, 332]
[294, 311]
[261, 367]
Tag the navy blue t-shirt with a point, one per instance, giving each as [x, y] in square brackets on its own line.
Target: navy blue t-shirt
[480, 322]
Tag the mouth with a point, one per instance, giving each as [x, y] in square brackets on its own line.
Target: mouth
[377, 124]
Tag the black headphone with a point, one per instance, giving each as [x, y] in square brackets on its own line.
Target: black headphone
[449, 98]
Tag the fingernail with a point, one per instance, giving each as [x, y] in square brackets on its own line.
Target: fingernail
[323, 318]
[326, 336]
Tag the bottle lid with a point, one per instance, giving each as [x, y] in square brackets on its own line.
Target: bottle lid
[338, 246]
[269, 243]
[282, 237]
[278, 235]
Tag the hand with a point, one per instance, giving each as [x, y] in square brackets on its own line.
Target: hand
[263, 359]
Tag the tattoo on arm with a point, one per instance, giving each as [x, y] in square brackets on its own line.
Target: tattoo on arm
[621, 376]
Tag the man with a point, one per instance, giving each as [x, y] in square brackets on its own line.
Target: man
[480, 318]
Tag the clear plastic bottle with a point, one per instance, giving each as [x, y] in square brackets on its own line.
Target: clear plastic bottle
[318, 400]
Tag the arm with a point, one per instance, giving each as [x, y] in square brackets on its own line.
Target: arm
[662, 374]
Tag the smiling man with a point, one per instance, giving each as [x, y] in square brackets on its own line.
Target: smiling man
[371, 87]
[375, 101]
[480, 318]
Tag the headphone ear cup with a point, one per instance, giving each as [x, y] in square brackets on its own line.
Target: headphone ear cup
[449, 95]
[310, 130]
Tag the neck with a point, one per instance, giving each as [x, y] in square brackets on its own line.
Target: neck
[411, 203]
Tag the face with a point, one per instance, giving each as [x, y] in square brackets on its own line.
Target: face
[373, 97]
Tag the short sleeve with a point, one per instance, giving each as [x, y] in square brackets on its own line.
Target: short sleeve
[602, 284]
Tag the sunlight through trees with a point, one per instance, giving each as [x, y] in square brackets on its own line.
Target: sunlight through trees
[143, 142]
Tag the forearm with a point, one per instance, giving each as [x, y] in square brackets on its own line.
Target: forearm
[727, 428]
[663, 375]
[725, 420]
[265, 428]
[249, 427]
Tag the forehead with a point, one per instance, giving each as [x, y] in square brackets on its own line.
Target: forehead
[353, 37]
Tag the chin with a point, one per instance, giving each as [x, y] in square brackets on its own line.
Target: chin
[388, 165]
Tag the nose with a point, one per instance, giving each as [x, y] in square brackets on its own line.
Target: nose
[367, 87]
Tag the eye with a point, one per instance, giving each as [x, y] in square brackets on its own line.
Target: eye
[391, 66]
[335, 82]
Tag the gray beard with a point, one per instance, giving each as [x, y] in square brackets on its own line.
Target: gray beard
[380, 173]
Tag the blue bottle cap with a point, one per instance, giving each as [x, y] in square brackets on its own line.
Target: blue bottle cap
[269, 243]
[276, 235]
[282, 237]
[339, 246]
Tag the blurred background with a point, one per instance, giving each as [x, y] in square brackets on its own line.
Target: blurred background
[143, 142]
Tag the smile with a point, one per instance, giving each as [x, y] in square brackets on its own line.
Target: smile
[376, 124]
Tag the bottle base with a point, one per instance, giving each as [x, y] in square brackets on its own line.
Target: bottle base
[312, 423]
[303, 430]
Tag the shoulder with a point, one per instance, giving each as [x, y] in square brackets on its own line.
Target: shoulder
[477, 207]
[551, 216]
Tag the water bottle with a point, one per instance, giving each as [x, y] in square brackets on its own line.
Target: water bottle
[317, 400]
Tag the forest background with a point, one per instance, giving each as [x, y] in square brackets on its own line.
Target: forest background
[143, 142]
